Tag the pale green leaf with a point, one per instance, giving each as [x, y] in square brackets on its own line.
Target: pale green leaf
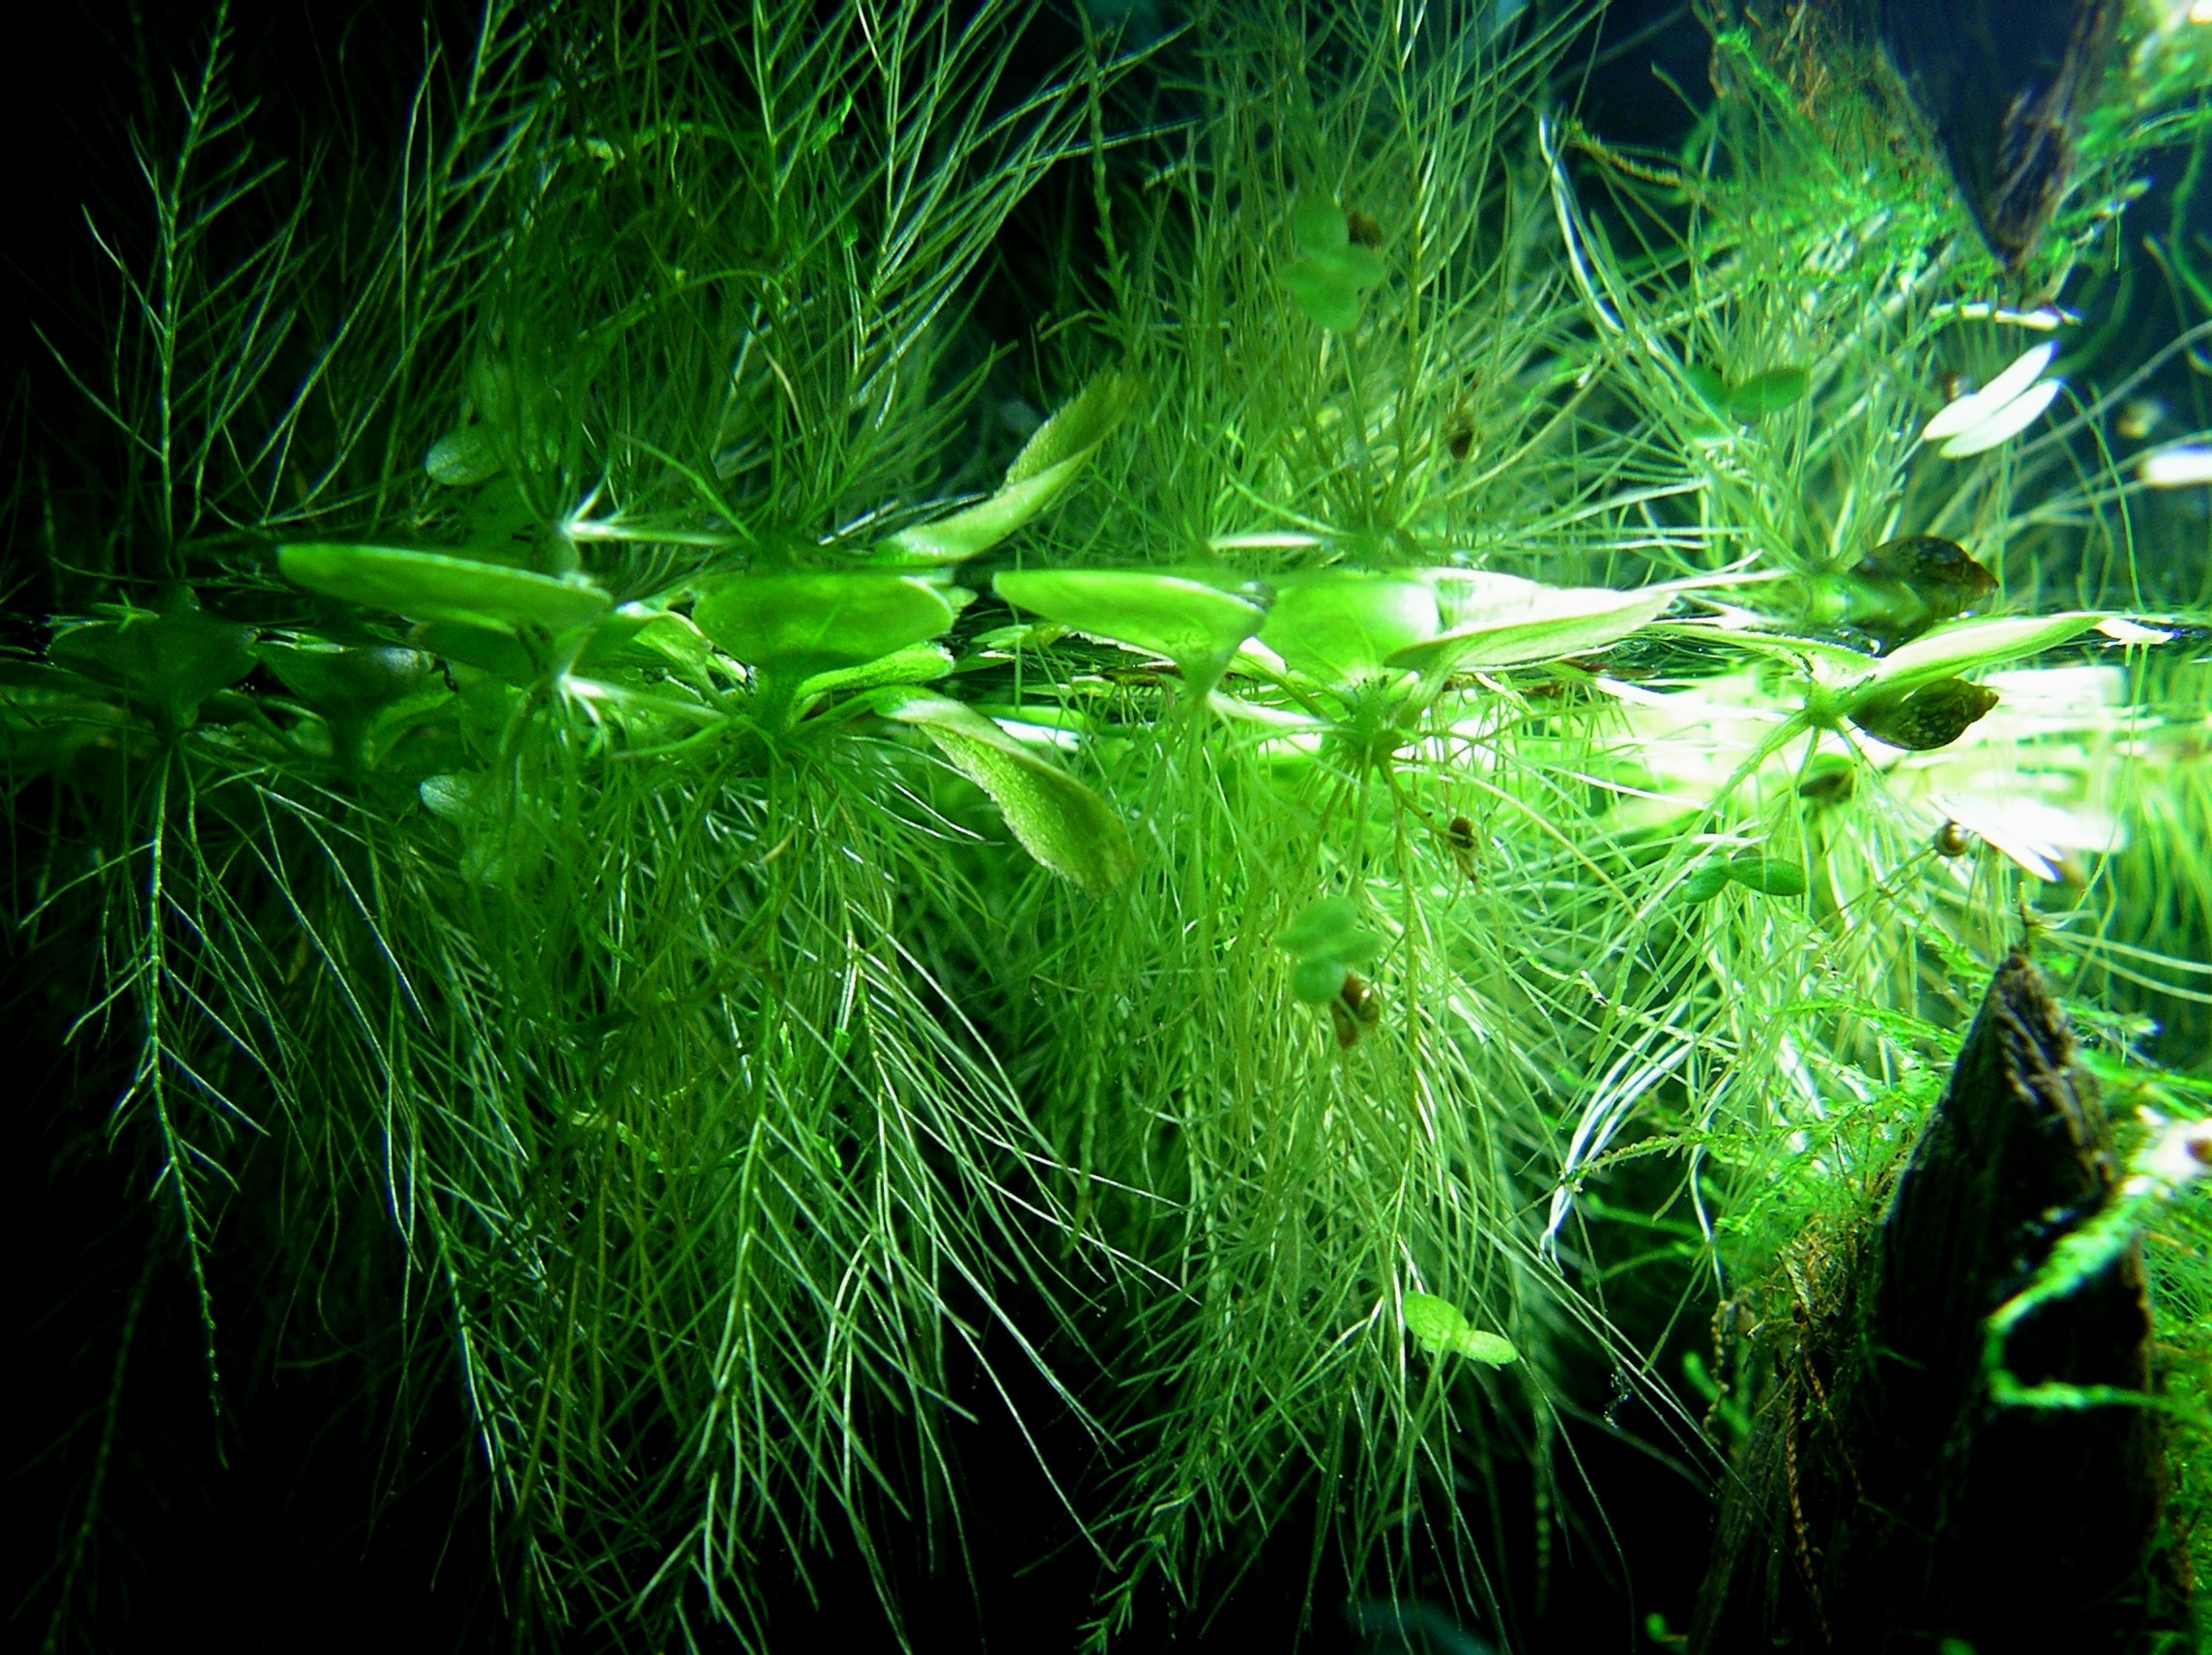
[1441, 1328]
[1340, 626]
[1321, 927]
[1319, 225]
[1059, 821]
[437, 586]
[1492, 1348]
[1075, 430]
[817, 621]
[917, 663]
[1967, 645]
[1500, 626]
[1049, 462]
[462, 458]
[1768, 392]
[1192, 623]
[1316, 979]
[962, 535]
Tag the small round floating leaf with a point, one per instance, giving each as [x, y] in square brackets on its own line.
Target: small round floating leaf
[1321, 927]
[1340, 626]
[451, 798]
[1316, 979]
[813, 623]
[1435, 1323]
[1768, 392]
[1932, 716]
[1770, 876]
[438, 586]
[1442, 1329]
[1356, 267]
[460, 458]
[1323, 299]
[1705, 881]
[1493, 1349]
[1711, 389]
[1319, 225]
[1192, 623]
[1356, 947]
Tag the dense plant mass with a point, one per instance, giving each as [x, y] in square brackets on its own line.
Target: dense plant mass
[1312, 863]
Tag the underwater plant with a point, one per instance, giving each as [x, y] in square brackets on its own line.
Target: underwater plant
[1291, 871]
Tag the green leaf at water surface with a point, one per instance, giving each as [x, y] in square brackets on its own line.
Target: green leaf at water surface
[1340, 626]
[168, 662]
[1063, 824]
[1443, 1329]
[1501, 620]
[442, 587]
[1192, 623]
[805, 623]
[1767, 393]
[1967, 645]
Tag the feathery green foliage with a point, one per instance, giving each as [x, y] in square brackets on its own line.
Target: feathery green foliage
[1485, 703]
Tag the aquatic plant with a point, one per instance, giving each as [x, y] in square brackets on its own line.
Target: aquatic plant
[1422, 831]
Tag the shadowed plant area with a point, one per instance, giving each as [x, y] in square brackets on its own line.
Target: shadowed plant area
[868, 800]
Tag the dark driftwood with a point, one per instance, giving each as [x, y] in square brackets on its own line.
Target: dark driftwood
[1882, 1504]
[2001, 86]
